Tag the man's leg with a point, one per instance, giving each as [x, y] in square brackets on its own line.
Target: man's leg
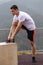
[32, 35]
[33, 51]
[33, 46]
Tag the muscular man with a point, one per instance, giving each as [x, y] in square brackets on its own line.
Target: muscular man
[23, 20]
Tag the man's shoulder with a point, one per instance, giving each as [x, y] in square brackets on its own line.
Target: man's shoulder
[24, 13]
[14, 17]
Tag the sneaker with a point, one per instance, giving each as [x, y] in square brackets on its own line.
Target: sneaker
[8, 41]
[33, 59]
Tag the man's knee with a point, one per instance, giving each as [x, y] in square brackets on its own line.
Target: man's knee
[32, 43]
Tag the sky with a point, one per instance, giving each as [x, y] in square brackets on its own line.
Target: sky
[4, 1]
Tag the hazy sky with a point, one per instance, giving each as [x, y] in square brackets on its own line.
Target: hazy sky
[4, 1]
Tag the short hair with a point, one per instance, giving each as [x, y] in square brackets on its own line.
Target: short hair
[14, 7]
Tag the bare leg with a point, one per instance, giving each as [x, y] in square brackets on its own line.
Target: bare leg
[33, 47]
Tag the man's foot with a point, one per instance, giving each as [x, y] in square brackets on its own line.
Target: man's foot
[33, 59]
[8, 41]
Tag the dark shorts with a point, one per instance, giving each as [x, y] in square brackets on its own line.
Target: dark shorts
[30, 33]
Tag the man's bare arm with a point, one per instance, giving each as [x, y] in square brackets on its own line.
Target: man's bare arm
[17, 28]
[12, 29]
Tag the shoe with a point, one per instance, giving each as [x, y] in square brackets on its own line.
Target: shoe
[33, 60]
[8, 41]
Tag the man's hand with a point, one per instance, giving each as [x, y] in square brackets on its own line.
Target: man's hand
[12, 29]
[11, 38]
[8, 37]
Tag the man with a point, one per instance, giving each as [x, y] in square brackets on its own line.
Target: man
[23, 20]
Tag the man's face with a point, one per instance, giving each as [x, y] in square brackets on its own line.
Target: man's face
[13, 11]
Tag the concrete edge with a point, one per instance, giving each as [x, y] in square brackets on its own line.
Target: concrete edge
[29, 52]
